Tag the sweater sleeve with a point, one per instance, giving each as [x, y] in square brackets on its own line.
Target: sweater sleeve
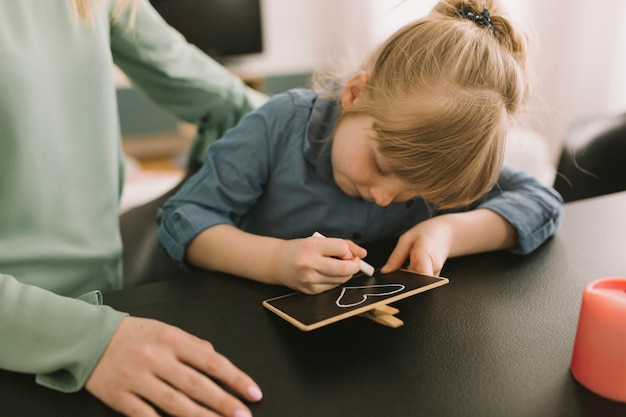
[61, 339]
[180, 77]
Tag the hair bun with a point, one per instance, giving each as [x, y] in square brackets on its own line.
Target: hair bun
[482, 19]
[488, 14]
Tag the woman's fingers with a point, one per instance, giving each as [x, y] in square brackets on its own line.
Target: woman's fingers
[150, 365]
[202, 356]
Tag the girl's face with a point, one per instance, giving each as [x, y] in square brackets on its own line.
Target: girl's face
[358, 168]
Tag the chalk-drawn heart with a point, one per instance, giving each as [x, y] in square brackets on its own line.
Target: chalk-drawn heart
[361, 293]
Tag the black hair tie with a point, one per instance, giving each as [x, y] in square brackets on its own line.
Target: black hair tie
[483, 19]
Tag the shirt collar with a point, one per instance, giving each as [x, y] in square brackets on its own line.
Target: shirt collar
[319, 129]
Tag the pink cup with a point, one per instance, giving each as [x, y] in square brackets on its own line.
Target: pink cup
[599, 357]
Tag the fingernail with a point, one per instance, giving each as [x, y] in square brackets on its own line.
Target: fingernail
[254, 393]
[242, 413]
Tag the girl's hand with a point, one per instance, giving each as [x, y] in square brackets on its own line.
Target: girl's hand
[316, 264]
[427, 245]
[431, 242]
[150, 364]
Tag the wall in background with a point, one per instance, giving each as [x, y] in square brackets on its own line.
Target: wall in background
[301, 35]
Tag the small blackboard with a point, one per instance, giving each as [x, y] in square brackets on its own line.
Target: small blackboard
[359, 295]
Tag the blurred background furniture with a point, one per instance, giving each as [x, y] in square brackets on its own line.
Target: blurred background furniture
[144, 260]
[593, 159]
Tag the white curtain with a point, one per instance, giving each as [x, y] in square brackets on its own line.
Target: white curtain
[580, 61]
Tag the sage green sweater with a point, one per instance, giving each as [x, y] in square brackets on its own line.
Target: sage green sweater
[61, 172]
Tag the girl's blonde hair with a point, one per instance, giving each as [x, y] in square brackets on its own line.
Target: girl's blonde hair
[84, 9]
[441, 92]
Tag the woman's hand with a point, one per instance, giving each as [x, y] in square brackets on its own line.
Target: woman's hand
[150, 364]
[316, 264]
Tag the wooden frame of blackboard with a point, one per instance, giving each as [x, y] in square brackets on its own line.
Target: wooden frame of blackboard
[309, 312]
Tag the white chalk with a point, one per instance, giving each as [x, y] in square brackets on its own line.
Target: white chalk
[366, 268]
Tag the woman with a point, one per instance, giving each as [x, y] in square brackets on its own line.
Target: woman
[60, 185]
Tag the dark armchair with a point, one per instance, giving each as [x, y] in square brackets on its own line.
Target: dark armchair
[593, 160]
[144, 260]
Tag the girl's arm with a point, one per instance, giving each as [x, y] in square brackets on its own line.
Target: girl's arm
[518, 214]
[310, 265]
[200, 224]
[428, 244]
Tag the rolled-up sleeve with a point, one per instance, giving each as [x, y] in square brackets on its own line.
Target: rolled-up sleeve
[178, 225]
[534, 210]
[233, 177]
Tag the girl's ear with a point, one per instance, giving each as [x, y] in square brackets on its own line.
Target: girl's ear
[355, 86]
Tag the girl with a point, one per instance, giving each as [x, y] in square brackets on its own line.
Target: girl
[411, 145]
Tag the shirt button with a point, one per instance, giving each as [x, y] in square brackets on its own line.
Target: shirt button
[357, 236]
[410, 203]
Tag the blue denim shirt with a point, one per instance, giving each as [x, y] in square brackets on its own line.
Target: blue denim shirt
[271, 175]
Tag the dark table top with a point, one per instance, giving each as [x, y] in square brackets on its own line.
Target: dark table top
[495, 341]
